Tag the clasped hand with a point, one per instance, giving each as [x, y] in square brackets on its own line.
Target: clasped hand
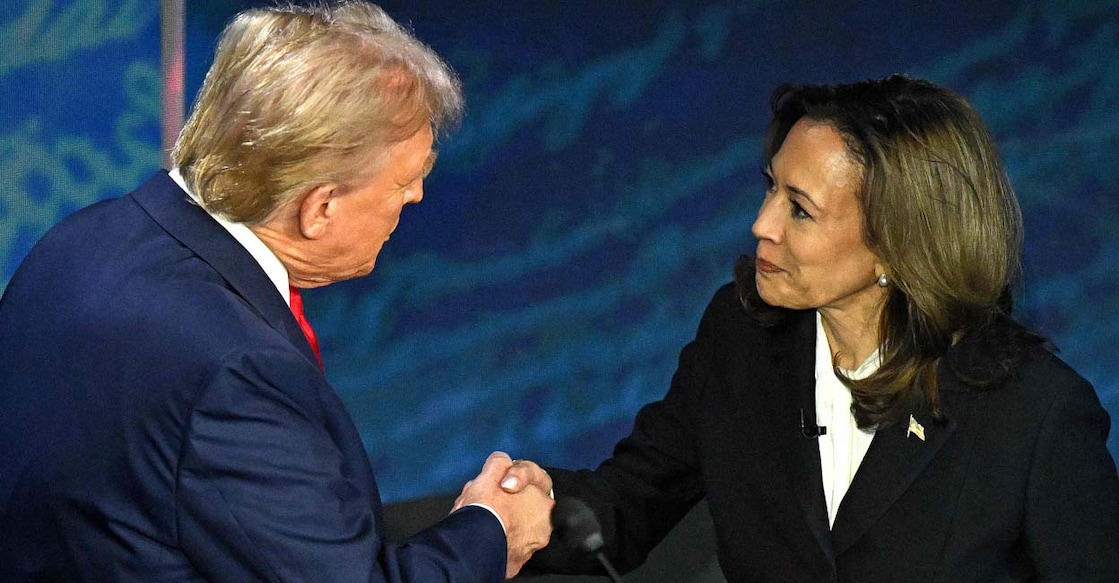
[520, 493]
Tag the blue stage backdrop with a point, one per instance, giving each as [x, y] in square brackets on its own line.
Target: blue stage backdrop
[599, 191]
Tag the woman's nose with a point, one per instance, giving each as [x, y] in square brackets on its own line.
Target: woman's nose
[767, 225]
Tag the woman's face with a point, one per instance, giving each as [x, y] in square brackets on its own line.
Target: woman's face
[810, 243]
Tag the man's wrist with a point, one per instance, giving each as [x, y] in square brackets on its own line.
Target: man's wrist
[493, 512]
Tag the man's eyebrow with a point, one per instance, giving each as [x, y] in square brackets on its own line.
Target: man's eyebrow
[430, 162]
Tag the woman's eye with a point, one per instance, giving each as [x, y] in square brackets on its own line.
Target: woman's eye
[798, 211]
[770, 186]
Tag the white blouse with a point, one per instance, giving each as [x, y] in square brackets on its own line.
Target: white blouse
[844, 445]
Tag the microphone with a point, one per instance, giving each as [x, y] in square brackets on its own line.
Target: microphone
[811, 431]
[577, 527]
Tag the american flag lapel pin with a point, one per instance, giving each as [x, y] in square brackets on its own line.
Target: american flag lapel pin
[915, 428]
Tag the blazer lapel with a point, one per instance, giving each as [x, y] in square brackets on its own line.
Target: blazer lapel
[169, 206]
[791, 391]
[799, 367]
[897, 455]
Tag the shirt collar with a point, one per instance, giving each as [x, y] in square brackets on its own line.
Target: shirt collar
[260, 252]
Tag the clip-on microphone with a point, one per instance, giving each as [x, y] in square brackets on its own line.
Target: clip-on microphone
[811, 431]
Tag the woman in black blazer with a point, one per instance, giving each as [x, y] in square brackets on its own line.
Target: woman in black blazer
[859, 405]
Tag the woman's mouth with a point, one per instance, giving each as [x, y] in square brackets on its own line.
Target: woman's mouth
[765, 267]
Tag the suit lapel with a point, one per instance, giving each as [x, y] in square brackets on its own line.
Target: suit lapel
[170, 207]
[895, 458]
[789, 387]
[799, 368]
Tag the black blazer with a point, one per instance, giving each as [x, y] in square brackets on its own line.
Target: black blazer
[162, 418]
[1015, 484]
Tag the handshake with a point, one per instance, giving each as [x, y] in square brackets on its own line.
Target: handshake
[520, 494]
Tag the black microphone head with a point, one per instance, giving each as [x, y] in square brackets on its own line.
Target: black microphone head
[575, 525]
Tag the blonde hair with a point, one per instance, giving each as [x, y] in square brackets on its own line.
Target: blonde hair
[298, 97]
[938, 212]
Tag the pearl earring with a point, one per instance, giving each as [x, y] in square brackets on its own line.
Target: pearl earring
[883, 281]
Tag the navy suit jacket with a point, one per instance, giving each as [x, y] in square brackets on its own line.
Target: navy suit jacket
[162, 418]
[1016, 484]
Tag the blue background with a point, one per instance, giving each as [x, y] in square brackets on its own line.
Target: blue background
[598, 192]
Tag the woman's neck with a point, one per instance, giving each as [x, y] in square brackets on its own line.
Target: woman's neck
[852, 335]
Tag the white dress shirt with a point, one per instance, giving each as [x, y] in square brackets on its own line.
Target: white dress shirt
[844, 445]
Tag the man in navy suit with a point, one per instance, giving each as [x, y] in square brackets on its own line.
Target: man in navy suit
[165, 413]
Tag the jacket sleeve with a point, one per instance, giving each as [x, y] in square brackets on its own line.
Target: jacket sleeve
[653, 477]
[1071, 526]
[270, 488]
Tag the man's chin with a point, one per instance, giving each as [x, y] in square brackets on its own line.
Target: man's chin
[339, 273]
[363, 270]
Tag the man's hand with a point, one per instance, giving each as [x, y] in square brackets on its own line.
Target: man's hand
[520, 493]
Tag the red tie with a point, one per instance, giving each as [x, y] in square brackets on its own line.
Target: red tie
[297, 310]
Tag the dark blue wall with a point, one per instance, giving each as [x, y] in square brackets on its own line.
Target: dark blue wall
[602, 185]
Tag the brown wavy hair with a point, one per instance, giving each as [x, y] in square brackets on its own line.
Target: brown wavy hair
[938, 212]
[297, 97]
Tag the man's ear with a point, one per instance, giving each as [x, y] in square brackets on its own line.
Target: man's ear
[317, 210]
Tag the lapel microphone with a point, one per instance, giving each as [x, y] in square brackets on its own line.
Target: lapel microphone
[811, 430]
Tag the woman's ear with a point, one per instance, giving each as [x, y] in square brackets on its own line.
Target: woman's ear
[882, 274]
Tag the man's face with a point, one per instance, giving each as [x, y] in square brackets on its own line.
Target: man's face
[365, 215]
